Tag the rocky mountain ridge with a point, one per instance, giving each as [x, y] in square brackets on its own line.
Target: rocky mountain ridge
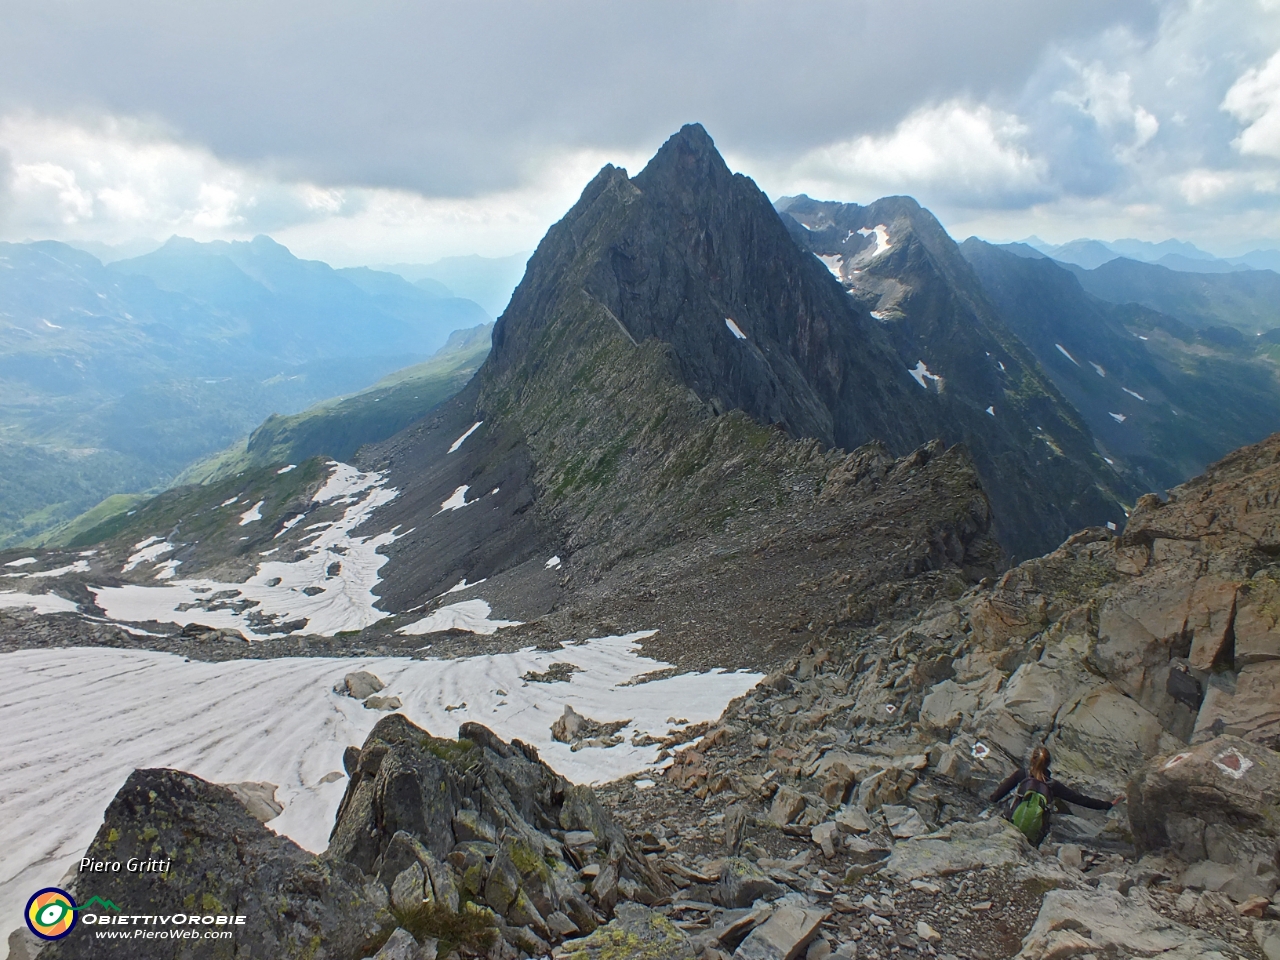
[839, 809]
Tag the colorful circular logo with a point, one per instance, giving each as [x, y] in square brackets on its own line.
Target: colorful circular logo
[51, 913]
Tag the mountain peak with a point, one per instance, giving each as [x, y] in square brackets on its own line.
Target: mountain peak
[688, 158]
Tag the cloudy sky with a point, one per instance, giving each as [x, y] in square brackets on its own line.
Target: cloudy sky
[413, 129]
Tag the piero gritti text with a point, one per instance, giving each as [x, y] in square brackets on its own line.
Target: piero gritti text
[132, 865]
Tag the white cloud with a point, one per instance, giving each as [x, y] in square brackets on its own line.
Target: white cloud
[1254, 100]
[1107, 97]
[969, 154]
[123, 179]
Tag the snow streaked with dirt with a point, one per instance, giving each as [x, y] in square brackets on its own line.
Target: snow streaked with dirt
[469, 615]
[344, 568]
[453, 447]
[75, 722]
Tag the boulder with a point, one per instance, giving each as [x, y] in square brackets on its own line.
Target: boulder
[226, 861]
[359, 685]
[783, 936]
[1226, 781]
[1251, 710]
[635, 931]
[1107, 737]
[258, 798]
[904, 822]
[958, 848]
[947, 704]
[1257, 623]
[401, 946]
[1105, 923]
[787, 805]
[742, 883]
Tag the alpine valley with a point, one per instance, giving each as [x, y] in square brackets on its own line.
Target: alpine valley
[692, 610]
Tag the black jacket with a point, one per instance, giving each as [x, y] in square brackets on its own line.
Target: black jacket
[1055, 791]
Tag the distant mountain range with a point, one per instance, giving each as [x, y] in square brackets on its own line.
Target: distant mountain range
[1174, 254]
[486, 280]
[115, 378]
[1245, 300]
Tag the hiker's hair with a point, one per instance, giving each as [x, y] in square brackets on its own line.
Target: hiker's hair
[1038, 767]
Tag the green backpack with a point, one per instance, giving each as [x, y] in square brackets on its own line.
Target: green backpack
[1030, 811]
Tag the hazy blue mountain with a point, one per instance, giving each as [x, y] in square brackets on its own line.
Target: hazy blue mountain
[1174, 254]
[1259, 260]
[1176, 261]
[1248, 300]
[486, 280]
[1083, 253]
[1162, 400]
[115, 378]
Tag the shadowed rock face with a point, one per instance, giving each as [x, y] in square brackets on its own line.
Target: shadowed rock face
[1035, 455]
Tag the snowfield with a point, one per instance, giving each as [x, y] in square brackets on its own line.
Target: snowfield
[470, 615]
[75, 722]
[341, 567]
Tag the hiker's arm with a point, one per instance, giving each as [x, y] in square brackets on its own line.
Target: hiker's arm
[1063, 792]
[1008, 784]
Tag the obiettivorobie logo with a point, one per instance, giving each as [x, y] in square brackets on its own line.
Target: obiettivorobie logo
[51, 912]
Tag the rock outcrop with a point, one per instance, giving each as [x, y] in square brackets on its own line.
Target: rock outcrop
[471, 845]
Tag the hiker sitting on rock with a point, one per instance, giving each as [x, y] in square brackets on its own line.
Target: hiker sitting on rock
[1036, 794]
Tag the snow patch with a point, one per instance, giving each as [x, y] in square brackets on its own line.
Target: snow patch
[991, 411]
[1063, 350]
[1000, 365]
[289, 525]
[51, 326]
[462, 585]
[292, 466]
[344, 567]
[252, 514]
[453, 448]
[469, 615]
[552, 563]
[1118, 417]
[1098, 369]
[832, 262]
[227, 503]
[882, 238]
[457, 500]
[90, 716]
[877, 315]
[1133, 394]
[147, 554]
[21, 563]
[80, 566]
[40, 602]
[921, 374]
[734, 328]
[1141, 337]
